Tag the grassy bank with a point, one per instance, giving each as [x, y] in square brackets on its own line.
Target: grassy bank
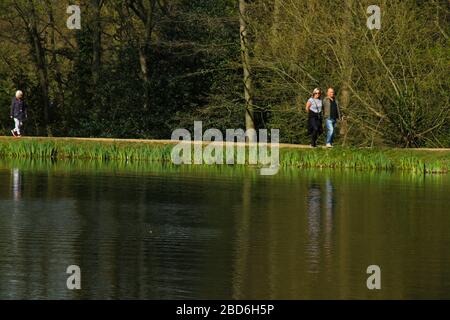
[414, 160]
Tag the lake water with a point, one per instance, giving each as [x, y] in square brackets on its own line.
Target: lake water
[153, 231]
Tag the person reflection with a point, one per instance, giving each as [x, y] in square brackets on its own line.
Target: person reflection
[313, 224]
[16, 183]
[320, 206]
[329, 214]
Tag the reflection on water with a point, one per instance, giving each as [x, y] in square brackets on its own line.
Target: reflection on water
[156, 231]
[314, 212]
[16, 183]
[329, 213]
[320, 204]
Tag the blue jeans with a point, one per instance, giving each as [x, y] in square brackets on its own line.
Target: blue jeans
[331, 127]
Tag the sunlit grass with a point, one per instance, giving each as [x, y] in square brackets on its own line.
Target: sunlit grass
[418, 161]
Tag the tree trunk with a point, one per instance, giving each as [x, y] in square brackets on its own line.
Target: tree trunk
[276, 18]
[41, 64]
[146, 52]
[58, 74]
[96, 40]
[347, 65]
[248, 87]
[146, 15]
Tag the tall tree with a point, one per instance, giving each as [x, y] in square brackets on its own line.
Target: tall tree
[346, 60]
[145, 11]
[245, 53]
[96, 39]
[39, 54]
[56, 67]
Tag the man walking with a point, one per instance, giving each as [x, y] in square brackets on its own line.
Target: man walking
[18, 113]
[331, 114]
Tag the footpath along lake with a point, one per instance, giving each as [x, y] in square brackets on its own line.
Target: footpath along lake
[154, 231]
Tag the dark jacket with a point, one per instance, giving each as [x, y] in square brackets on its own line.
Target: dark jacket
[18, 109]
[327, 108]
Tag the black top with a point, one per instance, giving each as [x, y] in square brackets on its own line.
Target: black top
[334, 115]
[18, 109]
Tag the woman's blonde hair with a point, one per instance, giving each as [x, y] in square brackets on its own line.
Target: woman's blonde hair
[316, 90]
[19, 94]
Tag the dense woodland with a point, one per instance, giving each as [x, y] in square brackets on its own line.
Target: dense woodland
[142, 68]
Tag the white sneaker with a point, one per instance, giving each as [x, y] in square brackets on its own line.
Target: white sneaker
[329, 145]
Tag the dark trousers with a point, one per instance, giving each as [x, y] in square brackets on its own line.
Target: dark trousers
[314, 136]
[315, 128]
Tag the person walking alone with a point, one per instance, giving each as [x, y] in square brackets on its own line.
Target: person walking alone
[18, 113]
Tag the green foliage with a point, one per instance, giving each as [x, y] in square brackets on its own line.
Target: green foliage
[395, 80]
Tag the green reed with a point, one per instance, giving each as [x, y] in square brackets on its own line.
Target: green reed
[417, 161]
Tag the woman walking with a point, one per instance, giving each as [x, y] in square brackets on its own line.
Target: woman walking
[314, 109]
[18, 113]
